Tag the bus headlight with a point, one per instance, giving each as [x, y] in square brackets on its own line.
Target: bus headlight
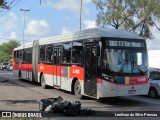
[111, 79]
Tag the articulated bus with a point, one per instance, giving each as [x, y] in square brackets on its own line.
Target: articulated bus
[95, 62]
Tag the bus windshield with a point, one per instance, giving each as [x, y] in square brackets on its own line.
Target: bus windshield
[125, 61]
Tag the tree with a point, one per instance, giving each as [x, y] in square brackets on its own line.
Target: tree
[6, 50]
[1, 2]
[131, 15]
[4, 5]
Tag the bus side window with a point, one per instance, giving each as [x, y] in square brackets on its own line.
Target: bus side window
[29, 55]
[30, 60]
[21, 56]
[59, 56]
[49, 50]
[55, 56]
[17, 56]
[77, 52]
[42, 54]
[24, 56]
[66, 57]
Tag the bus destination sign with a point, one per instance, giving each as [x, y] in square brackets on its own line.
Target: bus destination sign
[126, 43]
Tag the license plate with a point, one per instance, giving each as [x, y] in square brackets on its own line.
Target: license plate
[131, 91]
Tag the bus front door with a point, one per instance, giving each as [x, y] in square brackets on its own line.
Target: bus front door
[57, 66]
[90, 86]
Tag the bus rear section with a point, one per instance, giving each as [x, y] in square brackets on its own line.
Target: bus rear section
[22, 63]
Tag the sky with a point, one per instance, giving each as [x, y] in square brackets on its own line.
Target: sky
[51, 17]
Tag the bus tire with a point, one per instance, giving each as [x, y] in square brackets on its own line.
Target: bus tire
[77, 90]
[43, 84]
[152, 93]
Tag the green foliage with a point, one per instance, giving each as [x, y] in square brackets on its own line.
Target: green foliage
[4, 5]
[1, 2]
[6, 50]
[131, 15]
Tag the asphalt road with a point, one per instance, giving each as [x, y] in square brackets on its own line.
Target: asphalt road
[25, 96]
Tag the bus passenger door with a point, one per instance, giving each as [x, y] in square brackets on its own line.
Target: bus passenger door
[29, 62]
[90, 86]
[57, 66]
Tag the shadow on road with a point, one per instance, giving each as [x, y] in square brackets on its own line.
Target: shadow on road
[19, 101]
[121, 101]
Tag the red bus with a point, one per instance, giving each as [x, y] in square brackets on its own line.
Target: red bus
[95, 62]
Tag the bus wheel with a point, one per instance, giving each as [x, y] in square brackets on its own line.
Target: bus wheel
[152, 93]
[43, 84]
[77, 89]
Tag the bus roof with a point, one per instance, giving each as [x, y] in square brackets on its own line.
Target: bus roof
[26, 45]
[84, 34]
[90, 33]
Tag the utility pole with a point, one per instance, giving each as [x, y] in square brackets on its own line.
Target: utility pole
[24, 23]
[80, 15]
